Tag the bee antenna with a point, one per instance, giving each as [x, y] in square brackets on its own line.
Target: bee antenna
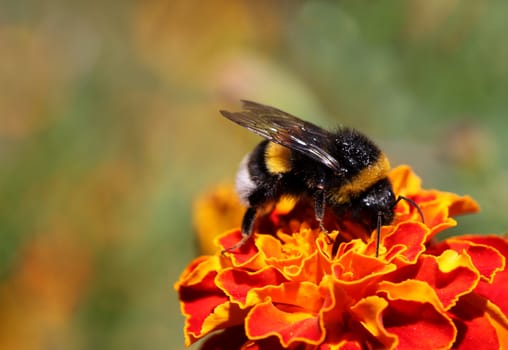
[413, 203]
[380, 216]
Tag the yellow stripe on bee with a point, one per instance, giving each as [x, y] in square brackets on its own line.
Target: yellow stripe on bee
[277, 158]
[363, 180]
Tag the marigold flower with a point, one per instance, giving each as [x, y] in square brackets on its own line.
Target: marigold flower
[289, 288]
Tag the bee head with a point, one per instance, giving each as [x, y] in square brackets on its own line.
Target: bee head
[377, 201]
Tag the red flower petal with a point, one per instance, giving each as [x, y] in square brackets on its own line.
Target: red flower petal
[475, 327]
[240, 256]
[237, 283]
[414, 312]
[198, 302]
[406, 241]
[497, 289]
[451, 275]
[485, 258]
[418, 325]
[204, 305]
[291, 326]
[297, 296]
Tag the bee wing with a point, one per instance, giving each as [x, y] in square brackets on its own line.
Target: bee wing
[285, 129]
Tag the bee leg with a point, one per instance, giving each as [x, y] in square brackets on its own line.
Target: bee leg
[319, 208]
[247, 225]
[378, 232]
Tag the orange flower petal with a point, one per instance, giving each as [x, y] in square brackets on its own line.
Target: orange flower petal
[296, 256]
[270, 246]
[197, 270]
[301, 242]
[463, 205]
[436, 216]
[369, 312]
[406, 241]
[405, 181]
[299, 296]
[450, 275]
[356, 274]
[216, 211]
[237, 284]
[225, 315]
[335, 301]
[437, 206]
[291, 326]
[418, 291]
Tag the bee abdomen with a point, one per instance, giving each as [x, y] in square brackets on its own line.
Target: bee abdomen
[260, 173]
[245, 184]
[277, 159]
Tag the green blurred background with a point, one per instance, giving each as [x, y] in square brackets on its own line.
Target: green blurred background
[109, 129]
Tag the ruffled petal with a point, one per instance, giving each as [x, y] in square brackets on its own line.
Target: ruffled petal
[494, 289]
[199, 296]
[480, 324]
[437, 206]
[369, 312]
[293, 286]
[237, 284]
[487, 259]
[216, 211]
[450, 275]
[414, 310]
[418, 325]
[243, 255]
[405, 181]
[267, 320]
[406, 241]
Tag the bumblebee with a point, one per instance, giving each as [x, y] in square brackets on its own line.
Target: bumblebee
[342, 170]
